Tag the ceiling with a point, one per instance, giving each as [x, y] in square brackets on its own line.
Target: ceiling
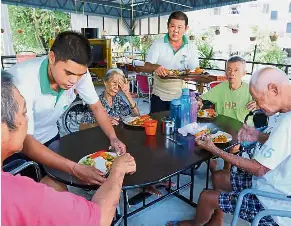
[125, 9]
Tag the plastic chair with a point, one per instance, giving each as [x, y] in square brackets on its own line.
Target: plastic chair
[19, 165]
[24, 56]
[144, 86]
[269, 212]
[213, 84]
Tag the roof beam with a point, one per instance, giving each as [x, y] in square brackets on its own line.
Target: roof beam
[113, 8]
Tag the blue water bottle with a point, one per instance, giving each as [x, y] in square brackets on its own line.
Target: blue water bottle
[185, 107]
[175, 112]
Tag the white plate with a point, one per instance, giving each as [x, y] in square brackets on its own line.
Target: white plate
[228, 136]
[128, 120]
[99, 161]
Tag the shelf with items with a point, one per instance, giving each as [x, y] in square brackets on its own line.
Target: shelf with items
[101, 59]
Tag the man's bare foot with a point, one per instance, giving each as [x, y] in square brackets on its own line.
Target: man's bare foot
[180, 223]
[153, 190]
[212, 165]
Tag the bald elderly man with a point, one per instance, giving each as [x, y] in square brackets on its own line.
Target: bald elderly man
[268, 170]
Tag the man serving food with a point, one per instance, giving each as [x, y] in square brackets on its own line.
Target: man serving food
[174, 51]
[48, 85]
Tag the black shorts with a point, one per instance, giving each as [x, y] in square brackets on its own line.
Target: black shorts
[20, 155]
[158, 105]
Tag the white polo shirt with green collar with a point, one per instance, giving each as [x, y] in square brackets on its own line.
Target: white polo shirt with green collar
[162, 53]
[44, 105]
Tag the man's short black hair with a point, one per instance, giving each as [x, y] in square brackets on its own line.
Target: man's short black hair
[178, 15]
[71, 45]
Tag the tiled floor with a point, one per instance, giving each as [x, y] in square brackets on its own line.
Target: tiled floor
[168, 209]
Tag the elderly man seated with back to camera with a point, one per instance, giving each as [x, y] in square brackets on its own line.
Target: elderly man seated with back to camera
[269, 169]
[25, 202]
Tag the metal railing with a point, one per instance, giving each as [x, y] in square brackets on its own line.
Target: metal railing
[254, 64]
[8, 61]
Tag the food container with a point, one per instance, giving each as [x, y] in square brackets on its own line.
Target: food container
[168, 125]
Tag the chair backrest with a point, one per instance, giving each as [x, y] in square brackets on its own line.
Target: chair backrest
[213, 84]
[25, 56]
[23, 167]
[143, 83]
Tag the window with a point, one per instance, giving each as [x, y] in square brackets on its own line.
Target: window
[265, 8]
[288, 29]
[274, 15]
[216, 11]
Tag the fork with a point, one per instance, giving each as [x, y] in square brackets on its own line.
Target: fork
[107, 174]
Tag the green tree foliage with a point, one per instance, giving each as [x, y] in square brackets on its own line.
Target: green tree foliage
[267, 51]
[205, 49]
[33, 28]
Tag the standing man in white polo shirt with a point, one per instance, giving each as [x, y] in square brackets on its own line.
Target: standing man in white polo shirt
[48, 85]
[174, 51]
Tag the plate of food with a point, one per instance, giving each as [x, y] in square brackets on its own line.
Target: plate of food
[175, 72]
[101, 160]
[207, 113]
[221, 137]
[136, 121]
[202, 132]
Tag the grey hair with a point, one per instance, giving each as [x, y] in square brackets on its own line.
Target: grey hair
[266, 75]
[234, 59]
[9, 105]
[112, 71]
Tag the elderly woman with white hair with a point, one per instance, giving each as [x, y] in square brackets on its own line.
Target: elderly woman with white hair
[114, 104]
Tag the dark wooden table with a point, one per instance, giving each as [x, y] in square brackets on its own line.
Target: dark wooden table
[157, 158]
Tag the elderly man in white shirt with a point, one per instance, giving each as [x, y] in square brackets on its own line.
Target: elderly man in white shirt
[174, 51]
[268, 170]
[48, 85]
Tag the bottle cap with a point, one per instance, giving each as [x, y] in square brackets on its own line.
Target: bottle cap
[192, 93]
[176, 102]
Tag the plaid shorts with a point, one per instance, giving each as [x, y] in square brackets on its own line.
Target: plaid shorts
[251, 205]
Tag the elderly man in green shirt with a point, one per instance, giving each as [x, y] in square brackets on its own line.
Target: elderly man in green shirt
[232, 98]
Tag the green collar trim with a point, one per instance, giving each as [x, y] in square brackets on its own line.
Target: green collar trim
[185, 42]
[44, 81]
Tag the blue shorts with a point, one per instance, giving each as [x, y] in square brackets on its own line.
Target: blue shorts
[251, 205]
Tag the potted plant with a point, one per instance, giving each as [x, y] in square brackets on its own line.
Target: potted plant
[253, 38]
[217, 32]
[192, 37]
[234, 30]
[206, 52]
[274, 37]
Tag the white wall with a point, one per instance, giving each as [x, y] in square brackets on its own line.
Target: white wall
[79, 21]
